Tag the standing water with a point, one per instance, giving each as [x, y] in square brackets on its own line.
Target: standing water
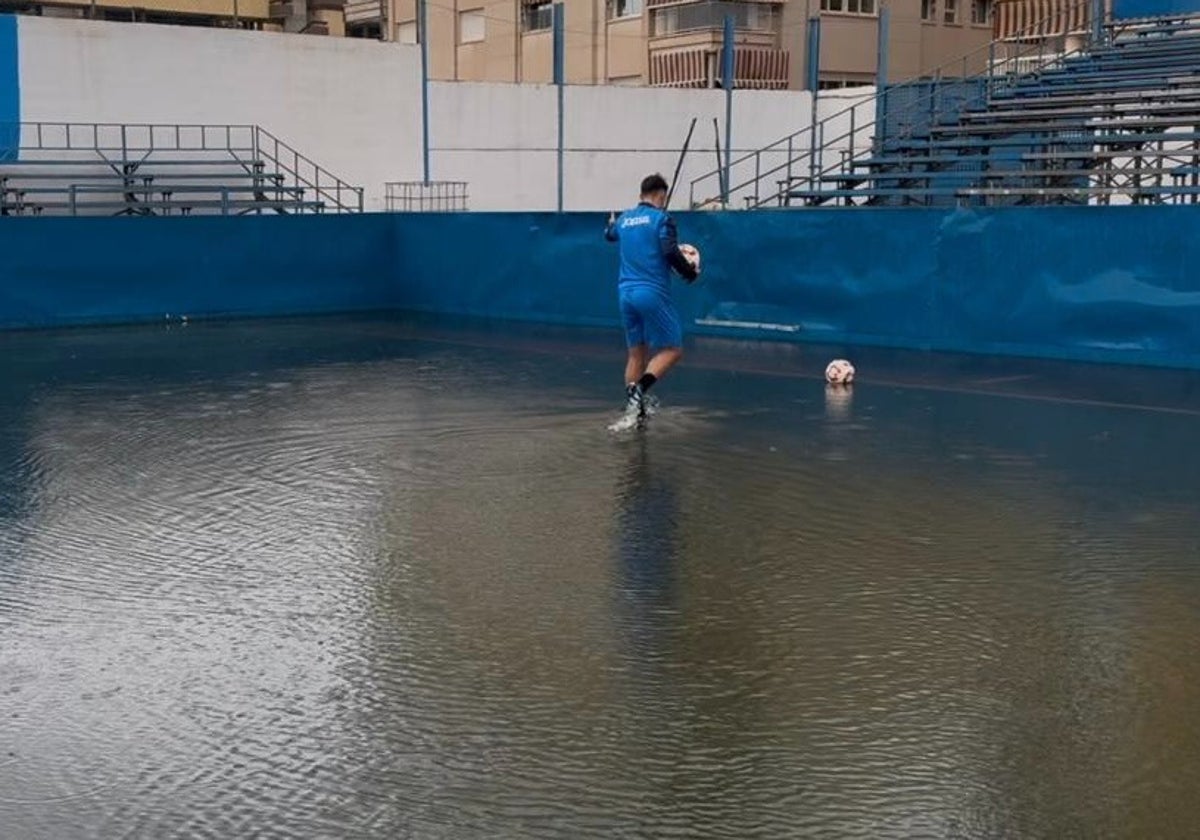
[365, 578]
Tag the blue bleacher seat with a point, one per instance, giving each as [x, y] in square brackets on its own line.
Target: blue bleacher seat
[1121, 119]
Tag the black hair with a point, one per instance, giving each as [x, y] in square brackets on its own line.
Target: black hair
[654, 183]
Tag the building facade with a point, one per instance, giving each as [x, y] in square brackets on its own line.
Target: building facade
[316, 17]
[677, 43]
[664, 43]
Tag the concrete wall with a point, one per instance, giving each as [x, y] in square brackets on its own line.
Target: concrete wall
[501, 139]
[354, 107]
[351, 105]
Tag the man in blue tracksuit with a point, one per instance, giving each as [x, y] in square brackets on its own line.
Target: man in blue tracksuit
[649, 251]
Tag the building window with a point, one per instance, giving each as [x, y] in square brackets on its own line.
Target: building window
[666, 21]
[951, 7]
[625, 8]
[761, 16]
[471, 26]
[687, 17]
[853, 7]
[928, 9]
[406, 33]
[538, 17]
[981, 11]
[827, 83]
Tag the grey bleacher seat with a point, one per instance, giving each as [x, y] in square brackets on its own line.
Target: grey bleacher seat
[91, 168]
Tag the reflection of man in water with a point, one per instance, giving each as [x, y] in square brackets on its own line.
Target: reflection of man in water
[647, 525]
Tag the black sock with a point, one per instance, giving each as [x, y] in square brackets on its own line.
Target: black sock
[647, 380]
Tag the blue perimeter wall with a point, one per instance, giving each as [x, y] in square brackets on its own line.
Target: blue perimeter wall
[10, 89]
[56, 271]
[1091, 283]
[1115, 284]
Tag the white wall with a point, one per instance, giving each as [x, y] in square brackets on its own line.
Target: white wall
[501, 139]
[351, 105]
[354, 107]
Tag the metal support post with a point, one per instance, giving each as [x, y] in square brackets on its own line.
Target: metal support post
[881, 73]
[814, 54]
[560, 82]
[423, 34]
[814, 85]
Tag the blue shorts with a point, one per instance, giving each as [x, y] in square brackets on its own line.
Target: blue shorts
[649, 317]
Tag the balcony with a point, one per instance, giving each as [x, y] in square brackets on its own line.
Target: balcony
[686, 41]
[754, 68]
[359, 12]
[1038, 19]
[673, 18]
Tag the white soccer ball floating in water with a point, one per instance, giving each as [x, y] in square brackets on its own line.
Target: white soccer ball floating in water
[839, 372]
[692, 254]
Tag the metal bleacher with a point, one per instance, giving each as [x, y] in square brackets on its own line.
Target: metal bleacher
[1116, 120]
[90, 169]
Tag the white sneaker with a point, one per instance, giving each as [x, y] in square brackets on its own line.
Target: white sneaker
[635, 410]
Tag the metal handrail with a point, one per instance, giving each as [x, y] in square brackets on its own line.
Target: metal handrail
[439, 196]
[306, 172]
[929, 101]
[815, 134]
[124, 137]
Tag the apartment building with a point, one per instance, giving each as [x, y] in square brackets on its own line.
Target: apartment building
[664, 43]
[316, 17]
[676, 43]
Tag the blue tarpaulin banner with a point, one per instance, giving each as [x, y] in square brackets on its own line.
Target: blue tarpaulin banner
[1154, 8]
[1115, 284]
[10, 89]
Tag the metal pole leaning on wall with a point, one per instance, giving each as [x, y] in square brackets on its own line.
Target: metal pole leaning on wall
[881, 74]
[422, 32]
[814, 85]
[727, 83]
[559, 81]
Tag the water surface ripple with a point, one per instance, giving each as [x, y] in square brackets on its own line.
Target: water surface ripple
[365, 578]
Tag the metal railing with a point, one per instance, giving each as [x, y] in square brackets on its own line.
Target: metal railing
[419, 196]
[833, 143]
[131, 139]
[127, 146]
[339, 195]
